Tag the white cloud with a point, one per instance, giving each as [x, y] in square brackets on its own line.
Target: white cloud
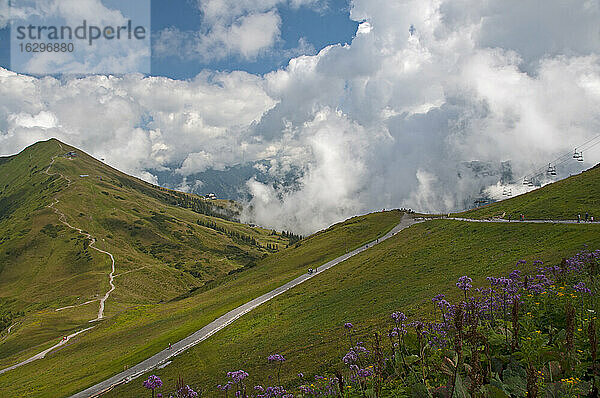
[394, 119]
[104, 56]
[133, 122]
[253, 33]
[247, 37]
[231, 28]
[196, 162]
[43, 120]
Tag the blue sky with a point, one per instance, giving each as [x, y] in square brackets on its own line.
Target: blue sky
[393, 119]
[318, 28]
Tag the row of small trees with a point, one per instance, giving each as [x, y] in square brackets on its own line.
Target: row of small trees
[232, 234]
[291, 237]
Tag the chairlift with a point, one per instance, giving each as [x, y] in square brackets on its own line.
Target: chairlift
[551, 170]
[580, 158]
[578, 155]
[525, 181]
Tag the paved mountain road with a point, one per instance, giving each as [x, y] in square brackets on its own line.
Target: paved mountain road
[503, 220]
[43, 353]
[163, 357]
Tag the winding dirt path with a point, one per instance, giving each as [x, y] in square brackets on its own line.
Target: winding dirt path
[75, 305]
[63, 219]
[162, 359]
[8, 331]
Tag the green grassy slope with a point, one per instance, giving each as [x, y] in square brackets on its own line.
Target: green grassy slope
[165, 244]
[141, 330]
[304, 323]
[403, 273]
[562, 200]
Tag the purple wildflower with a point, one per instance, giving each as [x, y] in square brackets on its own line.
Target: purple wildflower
[464, 283]
[226, 386]
[580, 287]
[438, 298]
[364, 373]
[152, 383]
[186, 392]
[515, 275]
[276, 358]
[398, 317]
[237, 376]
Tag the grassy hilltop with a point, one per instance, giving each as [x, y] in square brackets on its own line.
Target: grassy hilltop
[561, 200]
[163, 299]
[403, 273]
[165, 243]
[181, 262]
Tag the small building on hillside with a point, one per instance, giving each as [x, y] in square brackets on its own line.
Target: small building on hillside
[71, 154]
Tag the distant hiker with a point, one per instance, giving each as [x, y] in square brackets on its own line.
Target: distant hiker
[578, 218]
[592, 219]
[587, 216]
[509, 217]
[170, 346]
[521, 217]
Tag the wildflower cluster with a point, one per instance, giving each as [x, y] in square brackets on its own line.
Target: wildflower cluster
[523, 334]
[182, 391]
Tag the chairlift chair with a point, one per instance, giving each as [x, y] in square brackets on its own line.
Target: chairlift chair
[551, 170]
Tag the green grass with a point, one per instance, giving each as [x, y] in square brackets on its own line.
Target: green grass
[174, 275]
[562, 200]
[161, 250]
[139, 331]
[402, 273]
